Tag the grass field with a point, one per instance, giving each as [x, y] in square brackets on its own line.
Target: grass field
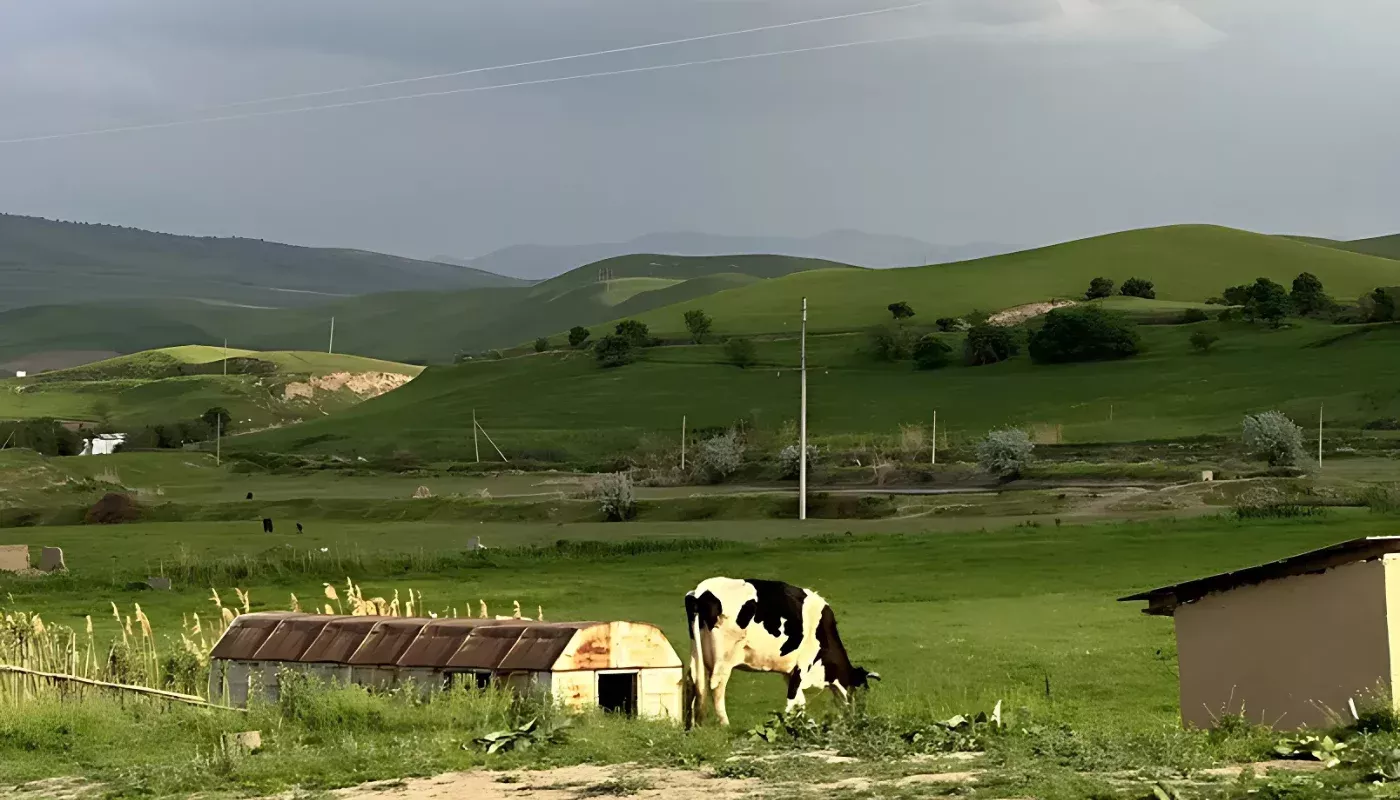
[1168, 392]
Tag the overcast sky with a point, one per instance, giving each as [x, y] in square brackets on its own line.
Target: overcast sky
[1019, 121]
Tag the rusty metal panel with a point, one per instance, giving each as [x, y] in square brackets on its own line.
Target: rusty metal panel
[538, 647]
[592, 649]
[387, 641]
[247, 633]
[292, 638]
[440, 640]
[339, 640]
[485, 647]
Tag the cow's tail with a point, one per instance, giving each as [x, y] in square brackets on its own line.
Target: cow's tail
[697, 658]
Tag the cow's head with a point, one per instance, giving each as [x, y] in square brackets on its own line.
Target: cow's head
[861, 677]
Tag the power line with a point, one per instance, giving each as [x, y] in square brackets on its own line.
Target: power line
[557, 59]
[468, 90]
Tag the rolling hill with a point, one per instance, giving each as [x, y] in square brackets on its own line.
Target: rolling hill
[44, 262]
[1382, 246]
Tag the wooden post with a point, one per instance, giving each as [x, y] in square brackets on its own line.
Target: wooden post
[1319, 435]
[476, 443]
[933, 452]
[330, 346]
[682, 443]
[218, 439]
[802, 444]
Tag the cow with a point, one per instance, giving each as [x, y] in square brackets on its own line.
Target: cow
[267, 525]
[250, 495]
[299, 529]
[766, 626]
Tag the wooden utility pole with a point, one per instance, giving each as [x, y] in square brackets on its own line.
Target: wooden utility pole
[933, 451]
[682, 442]
[225, 357]
[1319, 435]
[802, 443]
[476, 443]
[330, 346]
[218, 439]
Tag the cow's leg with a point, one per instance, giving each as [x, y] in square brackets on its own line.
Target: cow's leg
[719, 681]
[796, 701]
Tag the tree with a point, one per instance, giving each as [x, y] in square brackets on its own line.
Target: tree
[1203, 341]
[721, 456]
[890, 342]
[1193, 315]
[1005, 453]
[741, 352]
[948, 324]
[1273, 436]
[541, 344]
[1237, 295]
[1268, 301]
[578, 335]
[1138, 287]
[102, 412]
[1382, 305]
[988, 344]
[900, 310]
[698, 324]
[614, 351]
[614, 495]
[636, 333]
[1084, 333]
[1308, 296]
[217, 419]
[1099, 287]
[931, 352]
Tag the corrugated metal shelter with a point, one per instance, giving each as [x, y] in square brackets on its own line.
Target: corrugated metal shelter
[1291, 643]
[619, 666]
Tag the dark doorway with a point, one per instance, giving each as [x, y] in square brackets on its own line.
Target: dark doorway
[468, 680]
[617, 692]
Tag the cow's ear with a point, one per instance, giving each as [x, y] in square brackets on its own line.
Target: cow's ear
[872, 676]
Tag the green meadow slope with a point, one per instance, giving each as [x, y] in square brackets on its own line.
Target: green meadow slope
[260, 388]
[1382, 246]
[562, 406]
[1186, 262]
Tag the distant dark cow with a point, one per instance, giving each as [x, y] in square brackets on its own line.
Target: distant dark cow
[766, 626]
[298, 527]
[250, 495]
[267, 525]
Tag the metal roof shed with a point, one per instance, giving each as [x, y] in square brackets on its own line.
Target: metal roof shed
[619, 666]
[1291, 643]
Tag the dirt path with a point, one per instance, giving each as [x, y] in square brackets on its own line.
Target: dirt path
[564, 783]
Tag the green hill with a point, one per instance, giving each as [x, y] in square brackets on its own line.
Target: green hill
[1382, 246]
[44, 262]
[1187, 263]
[562, 406]
[260, 388]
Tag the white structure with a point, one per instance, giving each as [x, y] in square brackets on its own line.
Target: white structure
[19, 373]
[103, 444]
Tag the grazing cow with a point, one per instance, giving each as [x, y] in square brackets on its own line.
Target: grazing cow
[250, 495]
[298, 527]
[766, 626]
[267, 525]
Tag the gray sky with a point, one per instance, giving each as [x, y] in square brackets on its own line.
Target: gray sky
[1022, 121]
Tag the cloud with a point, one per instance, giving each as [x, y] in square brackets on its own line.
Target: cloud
[1134, 23]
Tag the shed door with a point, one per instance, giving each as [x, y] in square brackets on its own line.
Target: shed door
[617, 692]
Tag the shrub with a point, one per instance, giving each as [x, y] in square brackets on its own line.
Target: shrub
[1268, 301]
[1237, 295]
[1380, 305]
[614, 351]
[741, 352]
[636, 333]
[1005, 453]
[1138, 287]
[931, 352]
[541, 345]
[217, 419]
[1227, 315]
[1203, 341]
[1308, 297]
[1273, 437]
[1193, 315]
[721, 456]
[790, 461]
[698, 323]
[890, 343]
[578, 335]
[1084, 333]
[988, 344]
[614, 495]
[1099, 287]
[113, 509]
[948, 324]
[900, 310]
[46, 436]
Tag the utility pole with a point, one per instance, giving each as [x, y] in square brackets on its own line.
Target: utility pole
[218, 439]
[476, 443]
[802, 427]
[1319, 435]
[225, 357]
[682, 443]
[933, 454]
[330, 346]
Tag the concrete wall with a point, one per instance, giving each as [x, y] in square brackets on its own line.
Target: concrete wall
[1288, 653]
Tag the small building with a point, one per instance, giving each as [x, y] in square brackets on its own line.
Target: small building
[628, 667]
[103, 444]
[19, 373]
[1289, 644]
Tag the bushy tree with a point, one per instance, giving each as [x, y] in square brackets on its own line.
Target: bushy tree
[931, 352]
[948, 324]
[1308, 297]
[1084, 333]
[46, 436]
[541, 344]
[721, 456]
[1193, 315]
[1237, 295]
[1099, 287]
[1203, 341]
[1005, 453]
[614, 495]
[614, 351]
[578, 335]
[635, 332]
[1268, 300]
[900, 310]
[217, 419]
[1138, 287]
[988, 344]
[1273, 437]
[741, 352]
[698, 323]
[890, 342]
[1380, 305]
[789, 460]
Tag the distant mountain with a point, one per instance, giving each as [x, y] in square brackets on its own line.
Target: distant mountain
[45, 261]
[540, 262]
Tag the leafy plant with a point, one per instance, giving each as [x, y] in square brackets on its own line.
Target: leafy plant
[948, 324]
[530, 734]
[1005, 453]
[613, 492]
[1308, 296]
[1203, 341]
[789, 459]
[931, 352]
[1273, 437]
[1099, 287]
[741, 352]
[578, 335]
[613, 351]
[1084, 333]
[1193, 315]
[889, 342]
[635, 332]
[988, 344]
[1386, 769]
[1138, 287]
[1320, 748]
[900, 310]
[721, 456]
[541, 344]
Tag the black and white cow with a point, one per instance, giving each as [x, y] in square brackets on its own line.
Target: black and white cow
[766, 626]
